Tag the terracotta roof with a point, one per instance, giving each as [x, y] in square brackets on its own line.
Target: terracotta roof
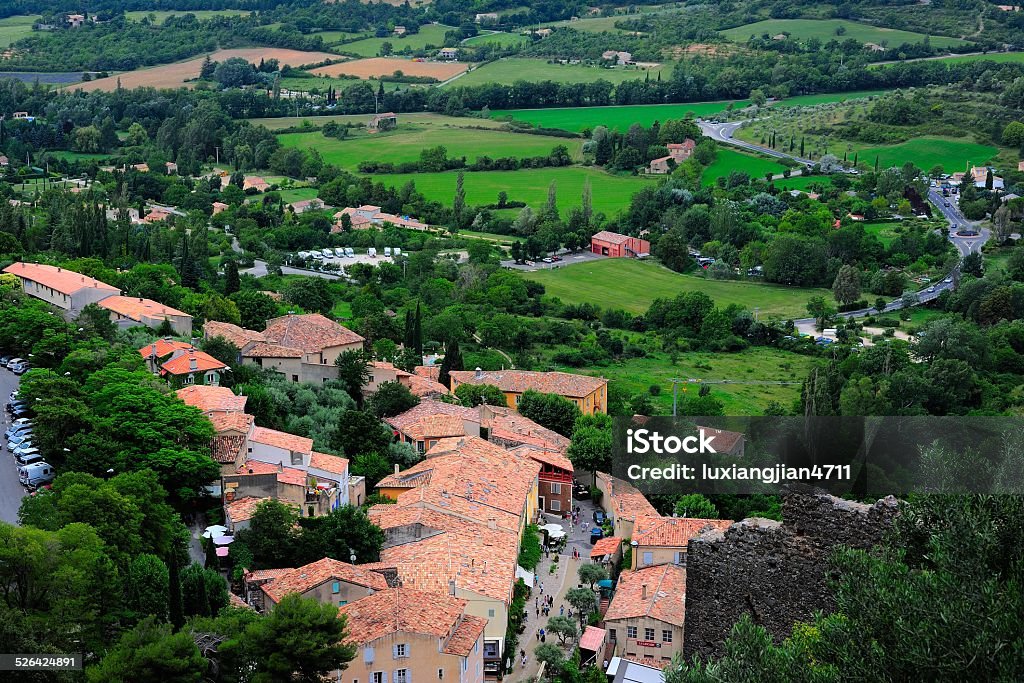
[182, 364]
[614, 237]
[433, 371]
[518, 381]
[290, 442]
[466, 636]
[414, 421]
[242, 509]
[672, 531]
[211, 399]
[239, 336]
[592, 638]
[290, 475]
[258, 467]
[266, 574]
[310, 576]
[56, 278]
[623, 500]
[265, 350]
[235, 601]
[608, 545]
[422, 386]
[164, 347]
[402, 610]
[508, 425]
[725, 441]
[545, 457]
[137, 308]
[237, 422]
[310, 332]
[328, 463]
[226, 449]
[665, 595]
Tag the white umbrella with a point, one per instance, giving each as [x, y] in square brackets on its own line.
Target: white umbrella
[212, 534]
[554, 530]
[216, 527]
[223, 540]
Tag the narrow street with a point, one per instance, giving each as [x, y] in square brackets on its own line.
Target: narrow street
[11, 490]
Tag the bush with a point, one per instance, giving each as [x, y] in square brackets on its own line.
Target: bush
[887, 322]
[654, 390]
[570, 357]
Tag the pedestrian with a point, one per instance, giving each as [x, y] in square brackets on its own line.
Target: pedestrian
[524, 661]
[561, 611]
[542, 588]
[538, 612]
[537, 635]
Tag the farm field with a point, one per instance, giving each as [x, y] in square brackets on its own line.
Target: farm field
[15, 28]
[175, 75]
[610, 193]
[499, 38]
[406, 143]
[636, 375]
[632, 286]
[620, 117]
[728, 160]
[430, 34]
[385, 66]
[508, 71]
[827, 98]
[951, 153]
[333, 37]
[998, 57]
[825, 30]
[419, 119]
[160, 16]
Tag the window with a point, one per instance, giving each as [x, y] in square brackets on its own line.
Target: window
[296, 458]
[681, 558]
[490, 613]
[295, 378]
[556, 489]
[631, 631]
[368, 655]
[336, 587]
[556, 505]
[612, 635]
[440, 674]
[419, 446]
[377, 677]
[191, 379]
[648, 634]
[402, 676]
[518, 396]
[342, 603]
[490, 649]
[666, 636]
[648, 558]
[401, 650]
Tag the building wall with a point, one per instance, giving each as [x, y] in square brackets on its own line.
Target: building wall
[659, 555]
[775, 571]
[424, 661]
[657, 648]
[563, 498]
[76, 301]
[182, 325]
[594, 402]
[291, 368]
[494, 611]
[326, 595]
[633, 244]
[198, 377]
[331, 353]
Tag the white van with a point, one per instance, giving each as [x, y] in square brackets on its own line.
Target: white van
[339, 252]
[350, 252]
[35, 475]
[29, 457]
[328, 253]
[387, 251]
[397, 251]
[371, 252]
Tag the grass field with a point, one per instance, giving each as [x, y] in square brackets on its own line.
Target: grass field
[728, 160]
[334, 37]
[802, 183]
[203, 14]
[508, 71]
[885, 231]
[405, 144]
[637, 375]
[610, 193]
[620, 117]
[825, 30]
[15, 28]
[430, 34]
[951, 153]
[499, 38]
[998, 57]
[827, 98]
[297, 194]
[633, 285]
[418, 119]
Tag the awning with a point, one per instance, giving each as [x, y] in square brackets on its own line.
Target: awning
[525, 574]
[553, 530]
[592, 638]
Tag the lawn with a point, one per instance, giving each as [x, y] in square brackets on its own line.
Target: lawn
[160, 16]
[297, 194]
[617, 117]
[610, 193]
[498, 38]
[406, 143]
[828, 98]
[430, 34]
[728, 160]
[508, 71]
[953, 154]
[885, 231]
[802, 183]
[632, 286]
[15, 28]
[637, 375]
[825, 30]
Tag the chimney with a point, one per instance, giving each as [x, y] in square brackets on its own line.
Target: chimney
[492, 523]
[479, 373]
[193, 365]
[451, 587]
[643, 592]
[396, 468]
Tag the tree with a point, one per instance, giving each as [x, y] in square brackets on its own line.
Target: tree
[820, 310]
[151, 652]
[222, 349]
[472, 395]
[354, 372]
[973, 265]
[204, 591]
[360, 432]
[231, 280]
[391, 398]
[846, 287]
[271, 534]
[1013, 134]
[311, 293]
[590, 448]
[147, 587]
[591, 573]
[563, 627]
[452, 361]
[459, 201]
[695, 506]
[583, 599]
[549, 410]
[342, 532]
[254, 308]
[551, 655]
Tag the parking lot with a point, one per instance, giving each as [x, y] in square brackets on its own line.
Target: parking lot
[565, 260]
[11, 492]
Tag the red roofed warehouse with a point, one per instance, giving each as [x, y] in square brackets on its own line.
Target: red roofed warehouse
[615, 245]
[60, 287]
[130, 311]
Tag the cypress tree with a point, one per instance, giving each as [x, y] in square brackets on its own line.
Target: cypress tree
[452, 361]
[417, 331]
[231, 280]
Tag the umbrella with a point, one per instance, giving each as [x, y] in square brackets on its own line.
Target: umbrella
[222, 552]
[212, 534]
[553, 530]
[216, 527]
[223, 540]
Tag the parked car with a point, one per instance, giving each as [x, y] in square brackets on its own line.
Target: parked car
[18, 425]
[596, 534]
[371, 252]
[328, 253]
[28, 458]
[25, 448]
[599, 517]
[35, 475]
[15, 404]
[350, 252]
[12, 362]
[16, 440]
[21, 368]
[19, 412]
[581, 492]
[339, 252]
[397, 251]
[4, 360]
[14, 395]
[387, 251]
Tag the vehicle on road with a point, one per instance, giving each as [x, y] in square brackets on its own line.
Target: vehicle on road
[948, 280]
[21, 368]
[931, 289]
[19, 438]
[945, 203]
[12, 362]
[599, 517]
[596, 534]
[4, 360]
[35, 475]
[547, 260]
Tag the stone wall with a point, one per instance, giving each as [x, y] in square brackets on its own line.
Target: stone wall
[775, 571]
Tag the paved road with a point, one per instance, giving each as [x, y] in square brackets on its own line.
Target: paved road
[723, 132]
[11, 492]
[259, 269]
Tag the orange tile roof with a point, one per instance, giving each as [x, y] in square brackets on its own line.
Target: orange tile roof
[239, 336]
[266, 574]
[592, 638]
[614, 237]
[428, 371]
[237, 422]
[212, 399]
[258, 467]
[265, 350]
[407, 422]
[310, 332]
[422, 386]
[290, 475]
[310, 576]
[235, 601]
[609, 545]
[242, 509]
[545, 457]
[402, 610]
[466, 636]
[290, 442]
[672, 531]
[163, 347]
[665, 599]
[182, 364]
[328, 463]
[138, 308]
[518, 381]
[226, 449]
[508, 425]
[457, 506]
[623, 500]
[58, 279]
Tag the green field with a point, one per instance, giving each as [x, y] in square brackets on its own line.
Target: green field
[633, 285]
[998, 57]
[297, 194]
[610, 193]
[321, 83]
[825, 30]
[79, 156]
[802, 183]
[508, 71]
[951, 153]
[15, 28]
[637, 375]
[420, 119]
[333, 37]
[159, 16]
[430, 34]
[728, 160]
[498, 38]
[885, 231]
[827, 98]
[405, 144]
[620, 117]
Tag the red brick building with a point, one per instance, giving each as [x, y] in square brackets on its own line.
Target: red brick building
[615, 245]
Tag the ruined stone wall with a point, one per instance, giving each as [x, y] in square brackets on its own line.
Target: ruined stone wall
[775, 571]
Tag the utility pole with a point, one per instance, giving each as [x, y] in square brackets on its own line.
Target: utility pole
[675, 394]
[217, 151]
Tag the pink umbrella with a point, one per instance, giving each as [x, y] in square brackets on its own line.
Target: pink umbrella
[222, 552]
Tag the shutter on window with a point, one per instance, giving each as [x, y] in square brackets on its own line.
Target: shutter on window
[394, 652]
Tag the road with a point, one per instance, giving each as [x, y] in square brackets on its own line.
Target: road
[723, 132]
[11, 492]
[259, 269]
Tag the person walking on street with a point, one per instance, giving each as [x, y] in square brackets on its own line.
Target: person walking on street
[542, 588]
